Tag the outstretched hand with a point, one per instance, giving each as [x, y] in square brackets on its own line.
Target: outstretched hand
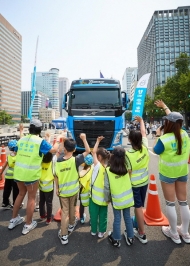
[159, 103]
[83, 136]
[100, 138]
[138, 118]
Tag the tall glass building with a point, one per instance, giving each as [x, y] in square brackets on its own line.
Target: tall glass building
[48, 83]
[166, 36]
[10, 69]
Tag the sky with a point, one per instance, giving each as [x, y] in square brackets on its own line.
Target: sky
[81, 37]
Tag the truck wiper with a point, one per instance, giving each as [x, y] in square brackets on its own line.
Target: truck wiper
[106, 106]
[82, 106]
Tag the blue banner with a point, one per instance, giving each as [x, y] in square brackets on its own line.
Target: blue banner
[139, 96]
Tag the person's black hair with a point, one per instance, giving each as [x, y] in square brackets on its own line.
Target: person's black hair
[135, 138]
[103, 153]
[33, 130]
[117, 161]
[70, 144]
[47, 157]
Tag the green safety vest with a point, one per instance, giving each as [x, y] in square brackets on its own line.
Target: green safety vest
[139, 163]
[46, 180]
[85, 183]
[68, 177]
[97, 188]
[121, 190]
[28, 161]
[170, 164]
[11, 163]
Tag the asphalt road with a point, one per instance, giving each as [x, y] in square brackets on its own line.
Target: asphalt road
[43, 247]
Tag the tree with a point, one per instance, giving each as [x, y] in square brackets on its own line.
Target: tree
[24, 119]
[5, 118]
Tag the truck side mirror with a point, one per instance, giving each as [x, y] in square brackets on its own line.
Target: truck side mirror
[125, 100]
[64, 105]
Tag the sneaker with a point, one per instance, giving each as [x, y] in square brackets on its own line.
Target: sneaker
[93, 234]
[48, 221]
[175, 237]
[82, 220]
[27, 228]
[72, 227]
[7, 206]
[43, 217]
[101, 235]
[64, 239]
[22, 204]
[37, 208]
[141, 238]
[129, 240]
[15, 221]
[185, 237]
[115, 243]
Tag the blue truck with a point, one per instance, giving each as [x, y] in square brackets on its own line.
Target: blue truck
[95, 107]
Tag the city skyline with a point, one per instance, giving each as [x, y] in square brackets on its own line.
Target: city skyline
[80, 39]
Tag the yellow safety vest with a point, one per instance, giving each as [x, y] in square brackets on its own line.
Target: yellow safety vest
[28, 161]
[170, 164]
[46, 180]
[97, 188]
[11, 163]
[139, 163]
[121, 190]
[85, 183]
[68, 177]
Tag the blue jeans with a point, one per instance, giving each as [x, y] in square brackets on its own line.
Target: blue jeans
[117, 223]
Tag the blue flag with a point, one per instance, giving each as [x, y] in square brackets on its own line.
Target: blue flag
[101, 76]
[139, 96]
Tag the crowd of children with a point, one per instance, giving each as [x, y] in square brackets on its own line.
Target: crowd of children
[120, 178]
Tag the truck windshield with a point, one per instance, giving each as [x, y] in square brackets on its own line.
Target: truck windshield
[95, 98]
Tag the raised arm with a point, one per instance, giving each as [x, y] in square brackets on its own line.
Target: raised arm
[87, 148]
[95, 149]
[142, 126]
[161, 104]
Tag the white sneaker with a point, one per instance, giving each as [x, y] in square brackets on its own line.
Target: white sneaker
[27, 228]
[185, 237]
[15, 221]
[64, 239]
[93, 234]
[101, 235]
[175, 237]
[72, 227]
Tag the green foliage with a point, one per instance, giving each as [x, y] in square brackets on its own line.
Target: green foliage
[5, 118]
[175, 93]
[24, 119]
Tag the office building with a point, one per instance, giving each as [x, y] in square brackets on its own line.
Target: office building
[39, 102]
[166, 36]
[126, 80]
[63, 88]
[48, 83]
[134, 81]
[10, 69]
[48, 114]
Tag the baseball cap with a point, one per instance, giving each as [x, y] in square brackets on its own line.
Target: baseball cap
[173, 116]
[88, 159]
[36, 123]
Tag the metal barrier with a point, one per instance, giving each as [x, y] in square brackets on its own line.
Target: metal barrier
[5, 139]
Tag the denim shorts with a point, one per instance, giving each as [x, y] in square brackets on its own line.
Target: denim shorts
[139, 194]
[27, 183]
[170, 180]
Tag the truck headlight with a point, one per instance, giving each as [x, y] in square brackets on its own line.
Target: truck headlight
[117, 138]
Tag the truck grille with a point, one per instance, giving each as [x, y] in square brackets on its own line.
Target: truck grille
[94, 129]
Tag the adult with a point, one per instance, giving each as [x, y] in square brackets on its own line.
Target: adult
[147, 128]
[173, 148]
[27, 172]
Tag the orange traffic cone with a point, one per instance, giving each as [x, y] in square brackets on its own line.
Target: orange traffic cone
[3, 155]
[57, 216]
[152, 213]
[2, 181]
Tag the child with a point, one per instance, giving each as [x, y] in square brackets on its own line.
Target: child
[84, 180]
[10, 184]
[98, 207]
[138, 160]
[67, 184]
[118, 186]
[46, 188]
